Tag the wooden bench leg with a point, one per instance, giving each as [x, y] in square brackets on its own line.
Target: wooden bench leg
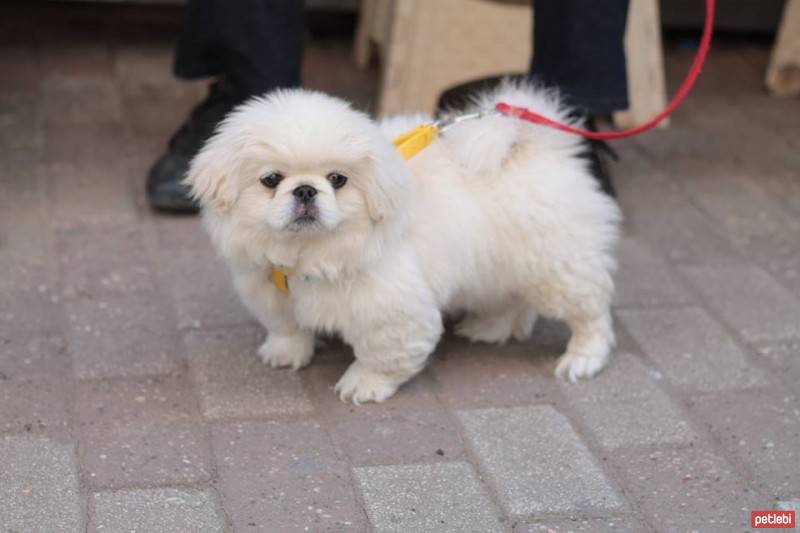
[783, 74]
[647, 92]
[400, 80]
[361, 43]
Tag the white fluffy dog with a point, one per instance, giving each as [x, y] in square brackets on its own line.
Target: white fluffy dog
[498, 218]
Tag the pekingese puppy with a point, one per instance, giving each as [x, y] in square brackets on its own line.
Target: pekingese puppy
[498, 218]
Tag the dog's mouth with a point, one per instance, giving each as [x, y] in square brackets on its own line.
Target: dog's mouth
[305, 212]
[305, 216]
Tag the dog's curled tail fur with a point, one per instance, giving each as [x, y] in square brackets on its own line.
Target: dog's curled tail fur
[483, 146]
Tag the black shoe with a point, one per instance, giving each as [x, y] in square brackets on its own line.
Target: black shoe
[463, 95]
[165, 188]
[599, 153]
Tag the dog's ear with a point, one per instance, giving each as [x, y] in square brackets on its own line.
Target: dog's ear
[210, 175]
[390, 183]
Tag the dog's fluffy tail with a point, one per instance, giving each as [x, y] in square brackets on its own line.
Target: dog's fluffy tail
[483, 146]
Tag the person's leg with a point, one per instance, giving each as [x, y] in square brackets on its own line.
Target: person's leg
[256, 44]
[251, 47]
[578, 49]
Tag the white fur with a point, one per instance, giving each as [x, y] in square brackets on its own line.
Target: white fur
[497, 218]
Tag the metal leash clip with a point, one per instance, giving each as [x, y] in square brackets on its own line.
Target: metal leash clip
[447, 123]
[413, 141]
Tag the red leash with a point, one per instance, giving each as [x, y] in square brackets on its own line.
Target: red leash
[683, 92]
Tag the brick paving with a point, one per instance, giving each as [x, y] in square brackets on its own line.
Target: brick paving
[132, 399]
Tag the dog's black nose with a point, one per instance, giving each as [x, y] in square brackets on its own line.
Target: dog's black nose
[305, 193]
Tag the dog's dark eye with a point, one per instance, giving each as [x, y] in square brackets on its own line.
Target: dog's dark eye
[270, 181]
[337, 180]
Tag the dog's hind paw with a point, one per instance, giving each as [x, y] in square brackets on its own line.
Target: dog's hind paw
[573, 366]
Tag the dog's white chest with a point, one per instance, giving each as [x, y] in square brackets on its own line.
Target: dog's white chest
[317, 304]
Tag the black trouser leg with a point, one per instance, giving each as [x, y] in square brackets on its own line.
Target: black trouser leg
[578, 48]
[251, 47]
[257, 45]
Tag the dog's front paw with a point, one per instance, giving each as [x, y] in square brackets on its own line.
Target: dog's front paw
[293, 352]
[360, 384]
[574, 366]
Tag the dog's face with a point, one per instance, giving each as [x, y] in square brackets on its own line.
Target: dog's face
[298, 164]
[303, 187]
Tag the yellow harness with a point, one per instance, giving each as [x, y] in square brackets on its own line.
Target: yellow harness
[408, 145]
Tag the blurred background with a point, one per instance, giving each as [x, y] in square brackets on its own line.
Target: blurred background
[107, 65]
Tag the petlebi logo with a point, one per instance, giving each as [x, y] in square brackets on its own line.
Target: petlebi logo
[772, 519]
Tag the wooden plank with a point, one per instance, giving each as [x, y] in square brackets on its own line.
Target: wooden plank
[647, 90]
[361, 43]
[783, 74]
